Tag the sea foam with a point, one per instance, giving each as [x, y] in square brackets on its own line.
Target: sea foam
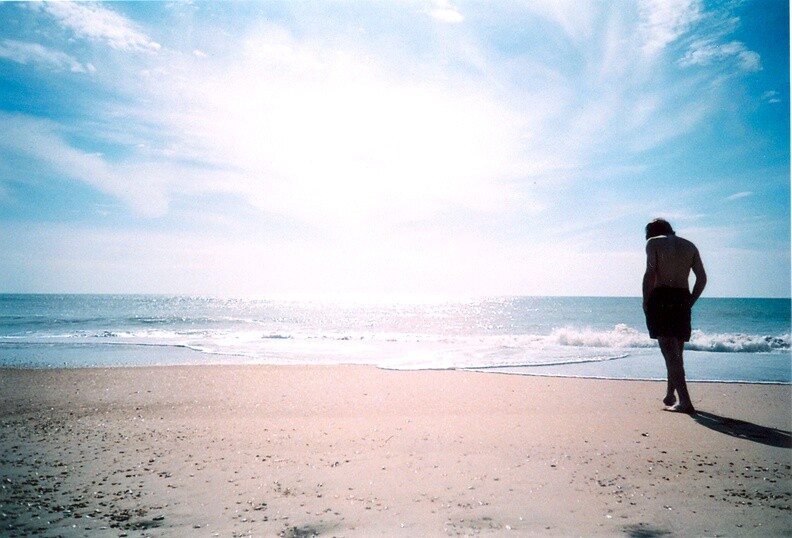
[738, 343]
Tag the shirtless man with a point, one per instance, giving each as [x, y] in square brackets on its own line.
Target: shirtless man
[667, 302]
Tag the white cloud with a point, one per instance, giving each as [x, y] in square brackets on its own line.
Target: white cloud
[42, 140]
[443, 11]
[739, 195]
[665, 21]
[669, 125]
[35, 54]
[96, 23]
[575, 17]
[771, 96]
[706, 52]
[318, 134]
[329, 134]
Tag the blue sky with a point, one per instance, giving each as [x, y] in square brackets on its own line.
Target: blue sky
[390, 148]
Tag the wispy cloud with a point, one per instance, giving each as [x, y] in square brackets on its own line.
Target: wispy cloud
[443, 11]
[707, 52]
[380, 143]
[739, 196]
[38, 55]
[665, 21]
[323, 132]
[25, 137]
[97, 23]
[771, 96]
[317, 132]
[575, 17]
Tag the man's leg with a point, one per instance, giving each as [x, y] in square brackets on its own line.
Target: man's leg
[670, 398]
[672, 353]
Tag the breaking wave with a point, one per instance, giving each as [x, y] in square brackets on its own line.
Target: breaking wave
[624, 337]
[621, 336]
[738, 343]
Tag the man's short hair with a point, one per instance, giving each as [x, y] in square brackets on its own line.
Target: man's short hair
[658, 227]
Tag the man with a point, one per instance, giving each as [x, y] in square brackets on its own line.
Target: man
[667, 303]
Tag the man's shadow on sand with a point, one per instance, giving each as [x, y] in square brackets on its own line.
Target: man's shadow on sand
[744, 430]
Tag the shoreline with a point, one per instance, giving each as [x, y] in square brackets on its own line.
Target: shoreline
[628, 380]
[484, 371]
[640, 364]
[364, 451]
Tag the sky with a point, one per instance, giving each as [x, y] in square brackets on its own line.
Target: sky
[394, 148]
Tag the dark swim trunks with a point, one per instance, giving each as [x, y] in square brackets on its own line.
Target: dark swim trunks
[668, 313]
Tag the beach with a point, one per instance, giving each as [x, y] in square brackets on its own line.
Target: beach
[359, 451]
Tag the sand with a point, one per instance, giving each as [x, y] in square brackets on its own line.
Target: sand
[358, 451]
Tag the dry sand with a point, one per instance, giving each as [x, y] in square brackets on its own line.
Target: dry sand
[357, 451]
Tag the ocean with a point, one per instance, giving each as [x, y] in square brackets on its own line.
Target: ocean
[734, 340]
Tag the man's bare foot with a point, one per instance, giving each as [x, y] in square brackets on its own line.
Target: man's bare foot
[669, 400]
[679, 408]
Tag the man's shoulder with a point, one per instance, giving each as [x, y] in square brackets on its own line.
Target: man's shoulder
[670, 242]
[686, 242]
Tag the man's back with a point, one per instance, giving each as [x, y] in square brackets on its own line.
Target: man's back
[671, 259]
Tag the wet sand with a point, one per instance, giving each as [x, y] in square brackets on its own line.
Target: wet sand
[357, 451]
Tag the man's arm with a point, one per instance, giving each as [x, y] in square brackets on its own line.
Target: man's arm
[701, 278]
[650, 275]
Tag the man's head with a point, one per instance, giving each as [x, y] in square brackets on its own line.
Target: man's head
[658, 227]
